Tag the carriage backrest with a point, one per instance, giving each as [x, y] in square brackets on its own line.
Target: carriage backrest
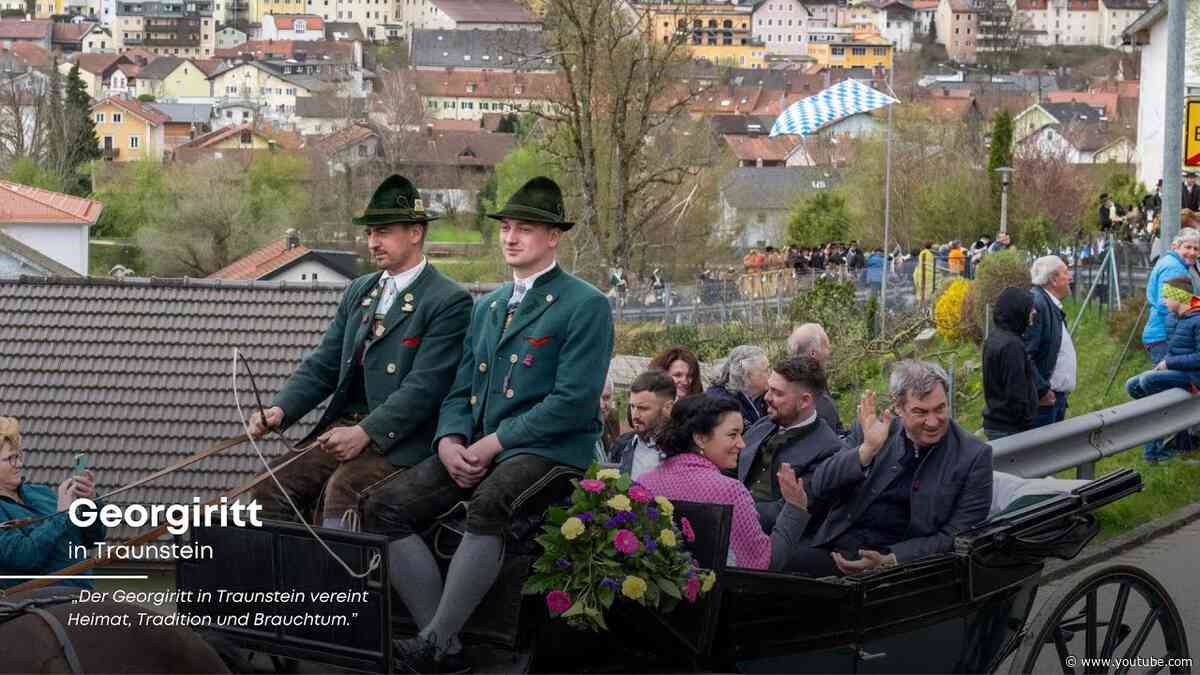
[695, 625]
[284, 558]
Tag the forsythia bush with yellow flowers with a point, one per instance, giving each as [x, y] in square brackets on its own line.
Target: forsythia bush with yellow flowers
[948, 310]
[615, 540]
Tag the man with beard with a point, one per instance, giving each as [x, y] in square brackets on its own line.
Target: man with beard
[650, 399]
[791, 433]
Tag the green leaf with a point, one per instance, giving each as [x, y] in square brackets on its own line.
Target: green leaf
[606, 595]
[669, 587]
[576, 609]
[624, 483]
[556, 515]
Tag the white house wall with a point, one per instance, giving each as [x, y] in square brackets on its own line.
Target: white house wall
[66, 243]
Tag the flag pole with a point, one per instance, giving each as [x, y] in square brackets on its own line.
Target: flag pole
[887, 207]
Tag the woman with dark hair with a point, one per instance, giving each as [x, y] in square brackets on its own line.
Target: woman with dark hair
[703, 437]
[683, 367]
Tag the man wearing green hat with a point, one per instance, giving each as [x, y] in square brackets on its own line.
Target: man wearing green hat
[521, 411]
[385, 363]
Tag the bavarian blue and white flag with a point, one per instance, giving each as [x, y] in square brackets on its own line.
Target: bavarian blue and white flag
[846, 98]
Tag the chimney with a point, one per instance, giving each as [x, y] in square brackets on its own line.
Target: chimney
[293, 239]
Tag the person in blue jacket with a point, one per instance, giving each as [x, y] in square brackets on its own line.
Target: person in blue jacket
[876, 266]
[1180, 365]
[42, 547]
[1176, 263]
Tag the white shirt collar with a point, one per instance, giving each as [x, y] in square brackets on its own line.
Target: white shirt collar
[404, 279]
[529, 280]
[804, 422]
[1054, 299]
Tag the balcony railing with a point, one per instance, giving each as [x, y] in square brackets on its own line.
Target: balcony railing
[111, 153]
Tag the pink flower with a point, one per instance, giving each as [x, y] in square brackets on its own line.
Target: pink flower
[626, 542]
[688, 532]
[558, 601]
[592, 485]
[692, 589]
[640, 494]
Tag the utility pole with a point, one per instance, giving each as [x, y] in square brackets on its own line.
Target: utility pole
[1172, 157]
[887, 205]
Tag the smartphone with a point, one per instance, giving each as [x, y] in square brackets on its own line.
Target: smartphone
[81, 464]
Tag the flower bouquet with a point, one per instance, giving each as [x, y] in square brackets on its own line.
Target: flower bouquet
[615, 538]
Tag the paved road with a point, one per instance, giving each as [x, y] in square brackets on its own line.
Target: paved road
[1174, 560]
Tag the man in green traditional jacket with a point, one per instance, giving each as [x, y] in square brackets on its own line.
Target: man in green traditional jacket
[522, 408]
[385, 363]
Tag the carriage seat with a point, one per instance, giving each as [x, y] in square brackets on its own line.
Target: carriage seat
[1010, 492]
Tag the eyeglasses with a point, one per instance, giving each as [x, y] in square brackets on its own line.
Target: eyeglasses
[14, 460]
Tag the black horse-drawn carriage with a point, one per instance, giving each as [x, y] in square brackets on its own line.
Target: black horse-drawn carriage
[964, 611]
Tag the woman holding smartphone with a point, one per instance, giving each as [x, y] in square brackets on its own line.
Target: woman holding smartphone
[45, 546]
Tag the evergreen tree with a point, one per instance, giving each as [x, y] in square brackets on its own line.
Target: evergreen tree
[1000, 151]
[80, 128]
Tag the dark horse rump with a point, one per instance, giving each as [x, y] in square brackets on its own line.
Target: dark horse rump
[36, 636]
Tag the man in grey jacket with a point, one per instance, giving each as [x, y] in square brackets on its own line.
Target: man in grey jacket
[902, 494]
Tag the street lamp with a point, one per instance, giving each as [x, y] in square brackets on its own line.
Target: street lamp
[1005, 174]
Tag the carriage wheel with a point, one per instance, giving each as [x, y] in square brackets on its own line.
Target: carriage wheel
[1118, 613]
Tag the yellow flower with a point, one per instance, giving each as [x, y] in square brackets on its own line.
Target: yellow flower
[572, 528]
[665, 506]
[620, 503]
[608, 474]
[667, 538]
[633, 587]
[707, 582]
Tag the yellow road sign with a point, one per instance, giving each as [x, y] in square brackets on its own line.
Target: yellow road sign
[1191, 143]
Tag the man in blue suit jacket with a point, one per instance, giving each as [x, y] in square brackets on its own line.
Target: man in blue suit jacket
[899, 496]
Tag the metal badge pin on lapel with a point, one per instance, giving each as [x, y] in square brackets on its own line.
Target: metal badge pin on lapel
[408, 297]
[366, 302]
[549, 298]
[407, 308]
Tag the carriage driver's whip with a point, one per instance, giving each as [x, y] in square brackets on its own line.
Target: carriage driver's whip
[375, 557]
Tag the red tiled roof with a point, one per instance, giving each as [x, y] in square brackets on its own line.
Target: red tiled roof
[99, 64]
[25, 204]
[32, 54]
[464, 148]
[139, 54]
[341, 138]
[207, 66]
[20, 29]
[766, 148]
[288, 21]
[487, 84]
[130, 69]
[135, 107]
[260, 263]
[70, 32]
[455, 125]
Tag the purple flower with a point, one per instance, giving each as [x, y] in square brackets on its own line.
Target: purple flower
[586, 516]
[611, 584]
[612, 523]
[563, 564]
[652, 513]
[649, 543]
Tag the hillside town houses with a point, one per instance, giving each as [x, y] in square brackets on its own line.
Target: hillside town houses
[181, 80]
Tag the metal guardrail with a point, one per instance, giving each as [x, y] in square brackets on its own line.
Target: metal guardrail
[1079, 442]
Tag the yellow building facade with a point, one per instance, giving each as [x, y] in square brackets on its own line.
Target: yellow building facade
[260, 8]
[861, 52]
[127, 135]
[720, 33]
[186, 80]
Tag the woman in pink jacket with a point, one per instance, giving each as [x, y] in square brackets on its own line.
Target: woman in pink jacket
[702, 438]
